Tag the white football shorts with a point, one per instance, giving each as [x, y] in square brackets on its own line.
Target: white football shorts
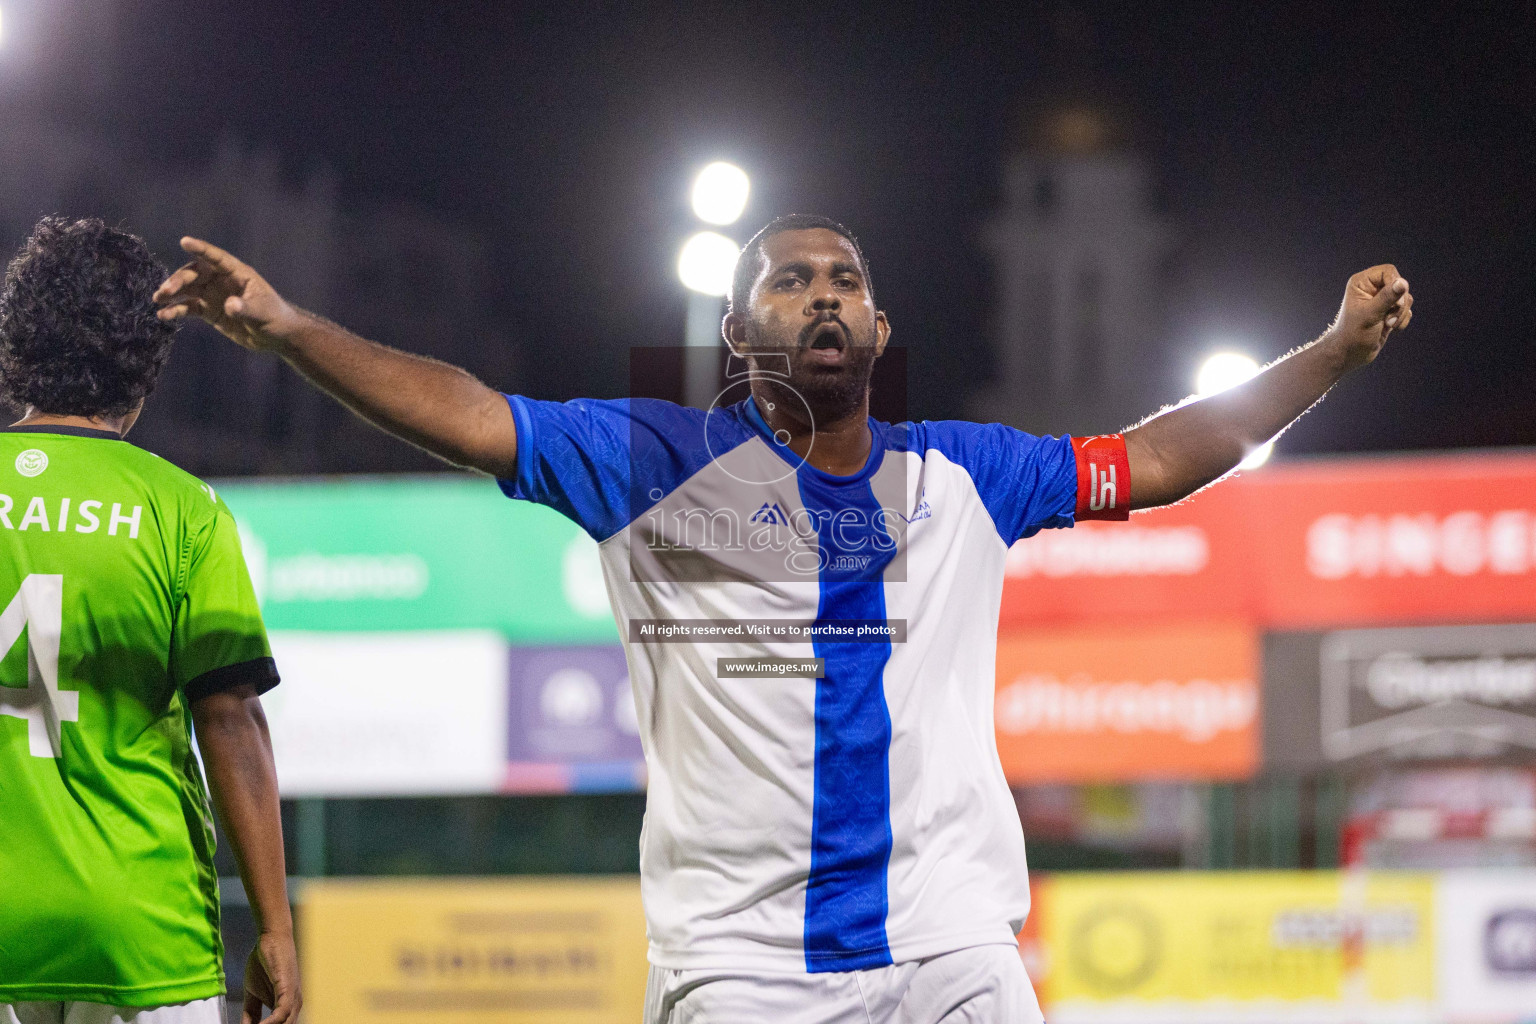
[979, 985]
[201, 1011]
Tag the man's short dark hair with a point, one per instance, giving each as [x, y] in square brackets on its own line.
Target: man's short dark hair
[747, 265]
[78, 331]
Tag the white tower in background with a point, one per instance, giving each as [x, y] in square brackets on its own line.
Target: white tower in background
[1078, 251]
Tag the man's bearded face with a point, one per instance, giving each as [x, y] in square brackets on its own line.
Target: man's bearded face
[810, 305]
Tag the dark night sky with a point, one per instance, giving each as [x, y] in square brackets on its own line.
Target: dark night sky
[1291, 148]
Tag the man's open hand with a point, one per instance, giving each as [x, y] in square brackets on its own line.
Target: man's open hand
[1376, 303]
[226, 293]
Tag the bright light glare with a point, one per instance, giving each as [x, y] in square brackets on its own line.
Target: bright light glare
[720, 193]
[706, 263]
[1227, 370]
[1224, 370]
[2, 26]
[1258, 456]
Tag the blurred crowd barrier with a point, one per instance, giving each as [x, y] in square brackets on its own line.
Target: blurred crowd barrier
[1318, 947]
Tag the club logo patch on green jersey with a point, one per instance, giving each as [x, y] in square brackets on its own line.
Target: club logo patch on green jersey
[31, 462]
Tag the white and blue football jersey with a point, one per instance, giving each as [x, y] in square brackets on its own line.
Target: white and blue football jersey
[813, 824]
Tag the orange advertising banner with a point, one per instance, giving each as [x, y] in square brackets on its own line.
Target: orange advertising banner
[1109, 705]
[1318, 544]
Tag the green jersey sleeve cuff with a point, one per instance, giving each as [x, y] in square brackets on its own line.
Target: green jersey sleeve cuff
[260, 673]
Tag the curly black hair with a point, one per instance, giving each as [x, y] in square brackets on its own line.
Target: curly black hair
[78, 331]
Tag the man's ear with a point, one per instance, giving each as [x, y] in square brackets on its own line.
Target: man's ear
[882, 333]
[734, 330]
[132, 417]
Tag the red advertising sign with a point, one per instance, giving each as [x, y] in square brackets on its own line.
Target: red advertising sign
[1369, 541]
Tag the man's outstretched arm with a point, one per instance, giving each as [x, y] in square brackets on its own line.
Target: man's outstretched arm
[1175, 453]
[431, 404]
[237, 752]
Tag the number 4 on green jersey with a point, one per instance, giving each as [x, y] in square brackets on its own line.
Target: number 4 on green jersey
[38, 607]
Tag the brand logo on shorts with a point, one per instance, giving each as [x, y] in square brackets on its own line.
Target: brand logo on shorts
[31, 462]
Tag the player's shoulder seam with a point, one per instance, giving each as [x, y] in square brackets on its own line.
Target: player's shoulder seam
[179, 477]
[947, 435]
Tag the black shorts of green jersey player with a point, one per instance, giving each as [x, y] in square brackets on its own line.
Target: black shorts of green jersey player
[127, 619]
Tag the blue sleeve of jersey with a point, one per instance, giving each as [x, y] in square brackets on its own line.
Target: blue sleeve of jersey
[574, 457]
[1027, 483]
[602, 463]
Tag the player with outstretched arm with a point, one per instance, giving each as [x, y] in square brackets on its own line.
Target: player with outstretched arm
[127, 620]
[838, 844]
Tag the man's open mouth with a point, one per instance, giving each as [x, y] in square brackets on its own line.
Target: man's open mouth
[828, 335]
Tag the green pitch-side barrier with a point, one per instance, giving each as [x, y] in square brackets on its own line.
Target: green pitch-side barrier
[414, 553]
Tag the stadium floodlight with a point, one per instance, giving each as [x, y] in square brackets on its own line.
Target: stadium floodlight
[706, 263]
[1224, 370]
[720, 193]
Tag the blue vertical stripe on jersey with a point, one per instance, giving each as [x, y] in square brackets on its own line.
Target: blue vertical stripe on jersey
[846, 896]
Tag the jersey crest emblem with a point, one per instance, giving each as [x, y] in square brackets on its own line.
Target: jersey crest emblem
[31, 462]
[923, 510]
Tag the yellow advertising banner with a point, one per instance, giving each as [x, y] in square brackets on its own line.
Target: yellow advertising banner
[1195, 939]
[523, 951]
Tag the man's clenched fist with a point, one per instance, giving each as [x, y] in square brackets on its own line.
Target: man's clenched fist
[1376, 303]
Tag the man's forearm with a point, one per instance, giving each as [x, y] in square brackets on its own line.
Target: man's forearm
[431, 404]
[434, 406]
[1174, 454]
[237, 754]
[1182, 450]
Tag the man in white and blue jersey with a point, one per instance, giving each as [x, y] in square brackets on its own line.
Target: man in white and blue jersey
[828, 833]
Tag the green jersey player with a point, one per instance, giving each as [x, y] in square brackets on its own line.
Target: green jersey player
[127, 620]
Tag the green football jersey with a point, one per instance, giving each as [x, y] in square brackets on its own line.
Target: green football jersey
[123, 598]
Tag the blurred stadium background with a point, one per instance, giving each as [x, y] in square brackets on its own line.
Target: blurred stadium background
[1274, 749]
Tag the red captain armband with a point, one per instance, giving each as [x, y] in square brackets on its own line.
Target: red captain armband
[1103, 477]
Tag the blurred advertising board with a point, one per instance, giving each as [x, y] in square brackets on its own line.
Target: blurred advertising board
[418, 553]
[1239, 948]
[1317, 544]
[1487, 945]
[512, 951]
[1150, 947]
[389, 714]
[1444, 816]
[1380, 695]
[439, 712]
[1096, 705]
[435, 638]
[571, 721]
